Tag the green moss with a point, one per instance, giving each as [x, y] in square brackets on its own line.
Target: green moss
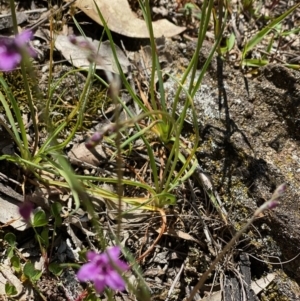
[60, 109]
[14, 80]
[97, 102]
[272, 293]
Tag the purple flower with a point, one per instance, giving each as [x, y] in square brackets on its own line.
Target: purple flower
[279, 191]
[11, 50]
[101, 270]
[25, 210]
[94, 140]
[97, 137]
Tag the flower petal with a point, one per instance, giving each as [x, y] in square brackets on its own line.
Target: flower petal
[123, 266]
[100, 283]
[23, 37]
[89, 271]
[115, 281]
[6, 42]
[31, 52]
[26, 208]
[9, 61]
[111, 253]
[92, 255]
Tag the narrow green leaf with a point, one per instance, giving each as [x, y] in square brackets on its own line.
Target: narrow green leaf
[9, 115]
[261, 34]
[254, 62]
[270, 45]
[293, 66]
[230, 42]
[289, 32]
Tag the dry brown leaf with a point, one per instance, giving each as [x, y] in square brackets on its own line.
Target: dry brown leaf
[122, 20]
[142, 60]
[78, 57]
[79, 155]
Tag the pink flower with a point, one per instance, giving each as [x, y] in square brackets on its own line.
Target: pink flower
[11, 50]
[101, 270]
[25, 210]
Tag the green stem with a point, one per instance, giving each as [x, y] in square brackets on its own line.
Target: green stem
[14, 16]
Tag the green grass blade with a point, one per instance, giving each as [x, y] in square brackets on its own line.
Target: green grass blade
[255, 62]
[206, 14]
[293, 66]
[22, 143]
[261, 34]
[147, 16]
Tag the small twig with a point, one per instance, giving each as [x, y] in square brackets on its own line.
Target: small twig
[206, 231]
[174, 282]
[273, 263]
[162, 230]
[37, 10]
[6, 178]
[8, 191]
[46, 17]
[32, 11]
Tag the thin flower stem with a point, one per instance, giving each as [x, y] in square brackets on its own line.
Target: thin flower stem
[47, 108]
[14, 16]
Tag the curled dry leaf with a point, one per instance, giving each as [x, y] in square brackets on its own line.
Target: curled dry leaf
[121, 19]
[78, 57]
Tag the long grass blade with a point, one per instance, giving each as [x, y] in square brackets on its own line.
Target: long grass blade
[261, 34]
